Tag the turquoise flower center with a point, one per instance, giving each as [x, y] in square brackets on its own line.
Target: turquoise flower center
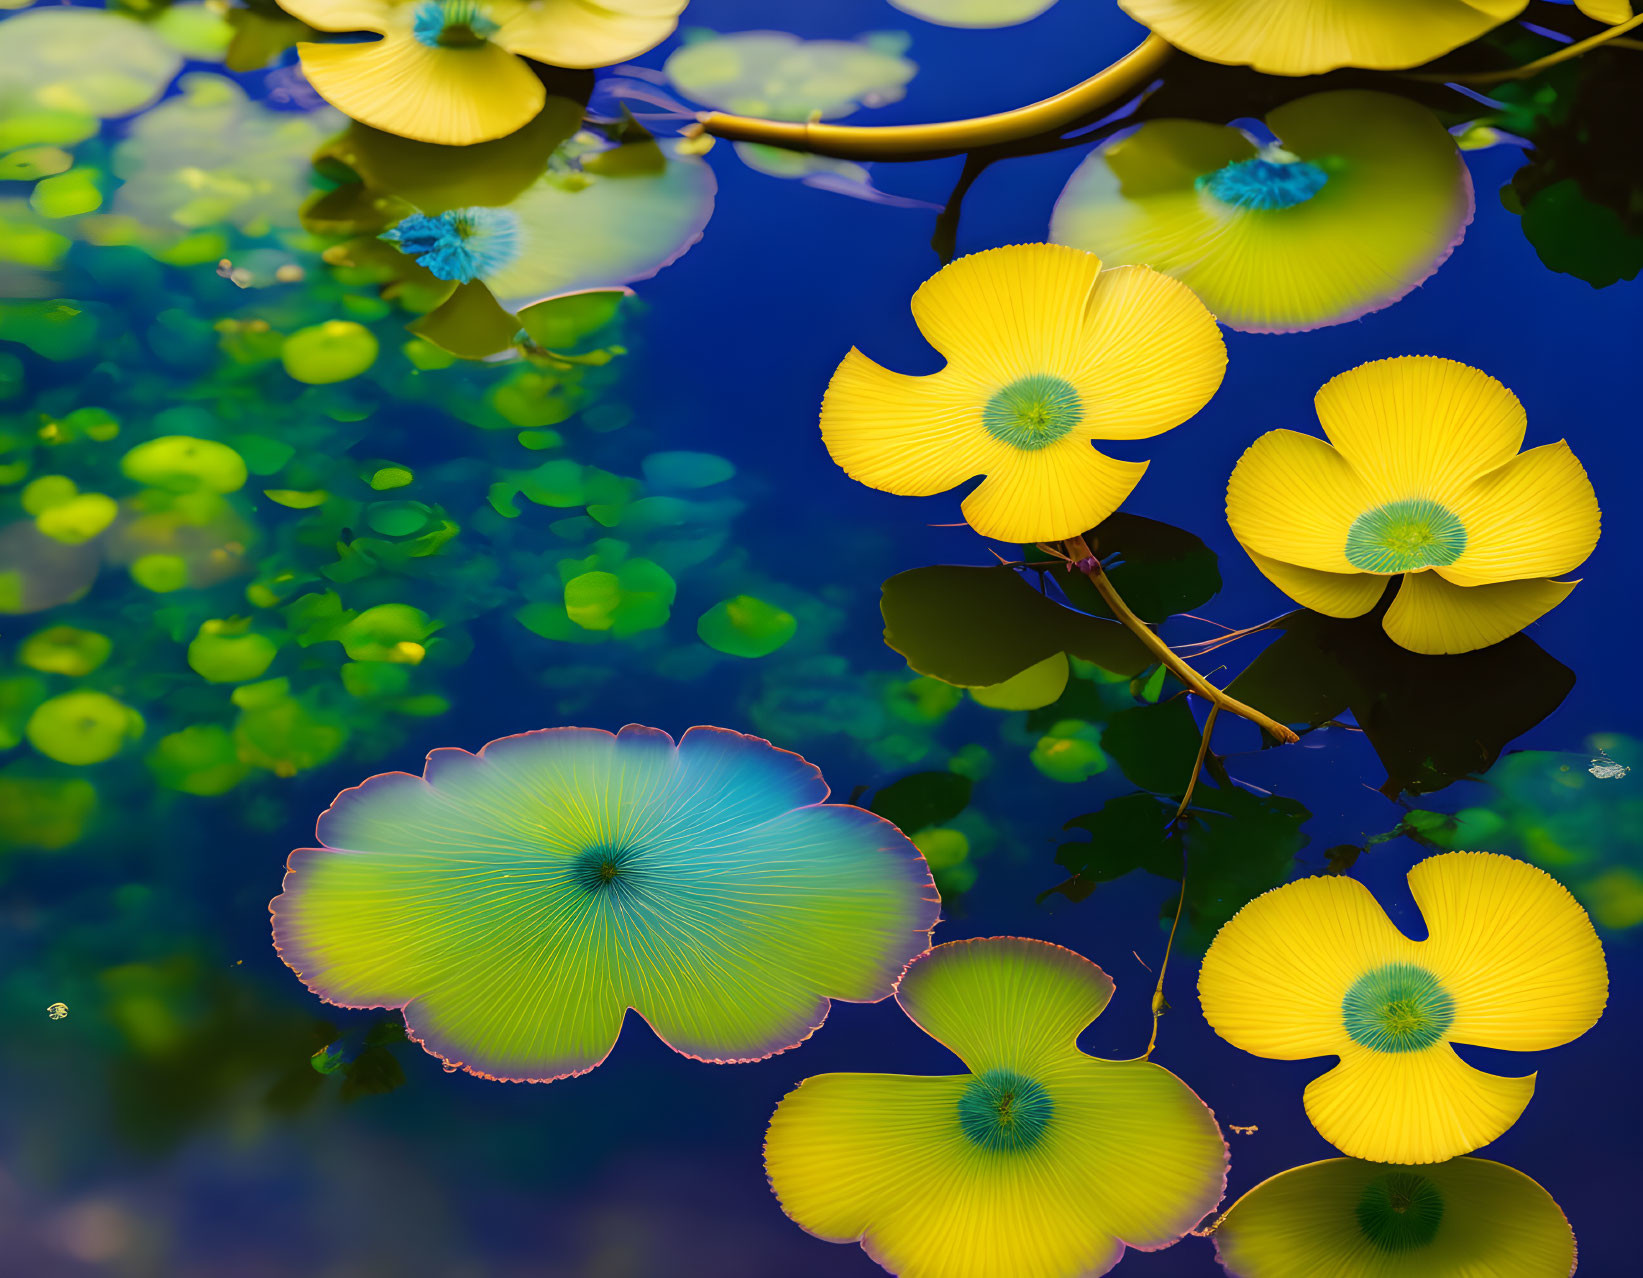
[1033, 412]
[1405, 536]
[1273, 180]
[1003, 1112]
[461, 244]
[606, 871]
[451, 24]
[1400, 1211]
[1397, 1008]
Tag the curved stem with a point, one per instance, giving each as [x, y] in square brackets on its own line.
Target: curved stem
[1530, 68]
[952, 137]
[1159, 1006]
[1090, 566]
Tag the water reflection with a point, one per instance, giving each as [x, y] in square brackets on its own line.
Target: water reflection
[1436, 1221]
[257, 538]
[1431, 720]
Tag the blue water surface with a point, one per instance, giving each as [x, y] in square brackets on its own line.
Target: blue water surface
[650, 1166]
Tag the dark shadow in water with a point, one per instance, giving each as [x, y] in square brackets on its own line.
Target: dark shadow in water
[1431, 720]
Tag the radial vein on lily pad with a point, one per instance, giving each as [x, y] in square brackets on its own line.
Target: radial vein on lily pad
[1305, 37]
[1315, 968]
[454, 71]
[1045, 353]
[515, 903]
[1421, 479]
[1362, 197]
[1039, 1162]
[1352, 1219]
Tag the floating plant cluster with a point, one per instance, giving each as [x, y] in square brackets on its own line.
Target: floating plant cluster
[373, 432]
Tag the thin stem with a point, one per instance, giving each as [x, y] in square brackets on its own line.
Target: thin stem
[1084, 559]
[1159, 1006]
[1529, 68]
[952, 137]
[1196, 650]
[1197, 771]
[1208, 621]
[1203, 647]
[944, 239]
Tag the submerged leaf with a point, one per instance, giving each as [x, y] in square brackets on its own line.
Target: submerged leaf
[975, 627]
[1581, 237]
[1430, 719]
[560, 324]
[1237, 846]
[469, 323]
[1156, 746]
[1580, 191]
[924, 799]
[1162, 570]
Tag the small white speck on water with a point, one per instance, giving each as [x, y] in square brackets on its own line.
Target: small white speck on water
[1606, 769]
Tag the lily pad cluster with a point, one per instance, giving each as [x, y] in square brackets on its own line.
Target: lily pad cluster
[245, 581]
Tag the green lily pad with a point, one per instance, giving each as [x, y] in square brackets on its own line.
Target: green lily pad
[974, 13]
[65, 650]
[82, 727]
[84, 61]
[778, 76]
[201, 759]
[334, 351]
[44, 812]
[211, 157]
[746, 627]
[1070, 751]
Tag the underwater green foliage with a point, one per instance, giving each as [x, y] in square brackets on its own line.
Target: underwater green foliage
[977, 627]
[1577, 816]
[1233, 845]
[238, 583]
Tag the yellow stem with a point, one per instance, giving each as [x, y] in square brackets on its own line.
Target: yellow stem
[1158, 1004]
[1172, 661]
[1192, 781]
[953, 137]
[1530, 68]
